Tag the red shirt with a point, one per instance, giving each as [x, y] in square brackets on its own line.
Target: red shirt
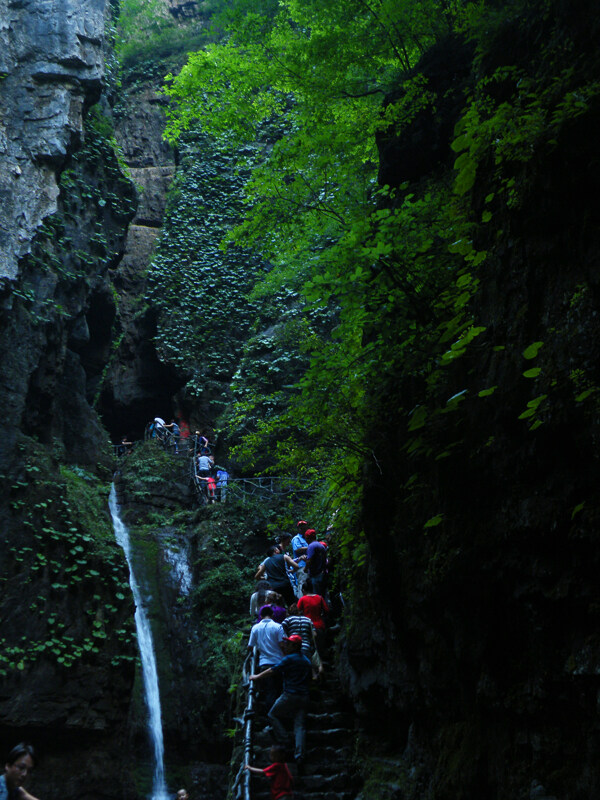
[314, 607]
[281, 780]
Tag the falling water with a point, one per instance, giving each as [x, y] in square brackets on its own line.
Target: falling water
[149, 672]
[178, 559]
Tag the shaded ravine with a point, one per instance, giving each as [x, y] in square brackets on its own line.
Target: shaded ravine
[146, 646]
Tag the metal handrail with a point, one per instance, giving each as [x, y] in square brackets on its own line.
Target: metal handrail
[241, 786]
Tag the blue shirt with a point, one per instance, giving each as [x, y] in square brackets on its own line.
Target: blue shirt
[297, 542]
[296, 672]
[4, 793]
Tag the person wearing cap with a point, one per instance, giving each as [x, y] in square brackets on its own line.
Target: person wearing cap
[316, 563]
[296, 671]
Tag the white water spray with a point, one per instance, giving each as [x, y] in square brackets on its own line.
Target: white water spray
[178, 559]
[149, 671]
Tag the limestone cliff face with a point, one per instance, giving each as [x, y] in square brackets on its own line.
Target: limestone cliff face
[57, 240]
[51, 63]
[66, 648]
[137, 385]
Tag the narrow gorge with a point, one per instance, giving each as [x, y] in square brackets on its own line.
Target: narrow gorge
[355, 245]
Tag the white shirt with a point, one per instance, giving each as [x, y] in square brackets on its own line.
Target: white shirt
[266, 635]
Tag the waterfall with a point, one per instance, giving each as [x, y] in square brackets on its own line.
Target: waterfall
[178, 559]
[149, 671]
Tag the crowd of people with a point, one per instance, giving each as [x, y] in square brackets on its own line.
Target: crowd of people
[290, 609]
[211, 480]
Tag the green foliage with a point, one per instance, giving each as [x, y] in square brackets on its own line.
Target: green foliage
[384, 278]
[65, 544]
[308, 80]
[150, 468]
[201, 291]
[146, 30]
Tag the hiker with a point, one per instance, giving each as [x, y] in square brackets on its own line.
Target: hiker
[316, 563]
[259, 598]
[203, 444]
[297, 623]
[296, 672]
[299, 548]
[275, 600]
[181, 795]
[267, 636]
[211, 488]
[19, 763]
[174, 430]
[278, 773]
[124, 448]
[316, 609]
[222, 478]
[274, 569]
[160, 428]
[203, 466]
[284, 541]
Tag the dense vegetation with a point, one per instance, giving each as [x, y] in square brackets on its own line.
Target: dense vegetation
[326, 88]
[413, 178]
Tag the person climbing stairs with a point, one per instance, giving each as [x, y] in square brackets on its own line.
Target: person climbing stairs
[327, 773]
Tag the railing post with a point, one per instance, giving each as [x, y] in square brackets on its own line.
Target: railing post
[248, 716]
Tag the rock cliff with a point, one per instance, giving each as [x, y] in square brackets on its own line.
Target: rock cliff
[52, 66]
[67, 653]
[137, 385]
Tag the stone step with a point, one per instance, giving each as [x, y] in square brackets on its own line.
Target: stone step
[339, 781]
[334, 738]
[328, 736]
[336, 719]
[300, 793]
[328, 755]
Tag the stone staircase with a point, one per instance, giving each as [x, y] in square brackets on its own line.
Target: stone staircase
[330, 735]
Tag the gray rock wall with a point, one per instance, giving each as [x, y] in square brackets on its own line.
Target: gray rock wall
[51, 65]
[137, 385]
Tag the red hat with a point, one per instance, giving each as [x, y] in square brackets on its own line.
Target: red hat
[310, 532]
[293, 638]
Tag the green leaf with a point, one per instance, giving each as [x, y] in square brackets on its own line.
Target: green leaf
[433, 521]
[532, 373]
[418, 418]
[532, 350]
[577, 509]
[487, 392]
